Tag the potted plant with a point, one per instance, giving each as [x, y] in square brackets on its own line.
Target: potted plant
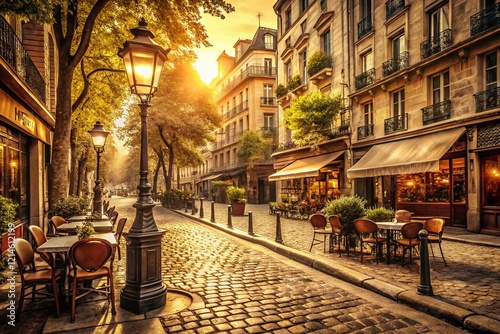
[8, 213]
[379, 214]
[281, 91]
[236, 197]
[86, 230]
[317, 62]
[295, 82]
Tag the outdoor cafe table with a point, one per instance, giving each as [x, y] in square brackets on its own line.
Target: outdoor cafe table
[390, 227]
[63, 244]
[102, 226]
[85, 217]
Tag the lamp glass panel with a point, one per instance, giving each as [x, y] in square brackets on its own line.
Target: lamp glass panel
[98, 141]
[128, 67]
[158, 69]
[143, 64]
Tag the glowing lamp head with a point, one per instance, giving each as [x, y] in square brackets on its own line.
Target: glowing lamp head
[98, 135]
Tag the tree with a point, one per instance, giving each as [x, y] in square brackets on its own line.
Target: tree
[254, 146]
[74, 23]
[311, 116]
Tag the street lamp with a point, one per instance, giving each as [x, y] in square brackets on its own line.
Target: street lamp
[98, 135]
[144, 289]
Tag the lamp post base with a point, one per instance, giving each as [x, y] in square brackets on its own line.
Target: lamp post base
[144, 290]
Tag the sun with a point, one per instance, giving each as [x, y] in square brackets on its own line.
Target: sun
[206, 69]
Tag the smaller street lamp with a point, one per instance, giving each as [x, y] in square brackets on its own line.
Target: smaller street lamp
[98, 135]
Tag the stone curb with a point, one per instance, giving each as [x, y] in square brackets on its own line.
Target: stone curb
[431, 305]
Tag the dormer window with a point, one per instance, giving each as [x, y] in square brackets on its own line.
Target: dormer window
[269, 41]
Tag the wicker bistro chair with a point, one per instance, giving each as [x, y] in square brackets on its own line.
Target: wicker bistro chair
[118, 234]
[31, 277]
[336, 231]
[367, 232]
[89, 258]
[409, 240]
[318, 222]
[435, 228]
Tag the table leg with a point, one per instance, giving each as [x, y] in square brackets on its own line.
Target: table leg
[388, 246]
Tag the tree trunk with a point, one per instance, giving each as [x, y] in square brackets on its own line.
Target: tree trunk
[155, 178]
[73, 171]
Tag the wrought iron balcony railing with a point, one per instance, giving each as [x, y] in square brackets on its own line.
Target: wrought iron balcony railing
[236, 110]
[334, 132]
[365, 26]
[266, 100]
[436, 112]
[489, 99]
[283, 146]
[395, 64]
[250, 71]
[392, 7]
[436, 44]
[397, 123]
[485, 19]
[365, 79]
[365, 131]
[14, 54]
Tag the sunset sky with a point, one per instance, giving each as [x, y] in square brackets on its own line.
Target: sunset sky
[223, 34]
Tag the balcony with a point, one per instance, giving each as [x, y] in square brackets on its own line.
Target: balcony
[436, 112]
[395, 64]
[395, 124]
[392, 7]
[365, 79]
[487, 100]
[365, 131]
[267, 101]
[251, 71]
[365, 26]
[13, 53]
[236, 110]
[436, 44]
[485, 20]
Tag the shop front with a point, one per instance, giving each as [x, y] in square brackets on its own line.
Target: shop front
[426, 175]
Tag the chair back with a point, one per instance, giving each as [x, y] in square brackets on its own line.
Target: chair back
[434, 226]
[403, 216]
[410, 230]
[110, 211]
[57, 221]
[24, 254]
[335, 223]
[90, 254]
[39, 239]
[105, 205]
[318, 221]
[113, 218]
[365, 226]
[119, 229]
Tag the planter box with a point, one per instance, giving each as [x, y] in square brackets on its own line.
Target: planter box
[238, 209]
[17, 233]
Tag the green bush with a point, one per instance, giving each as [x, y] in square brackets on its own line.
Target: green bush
[236, 194]
[295, 82]
[348, 208]
[281, 90]
[69, 207]
[379, 214]
[318, 61]
[8, 213]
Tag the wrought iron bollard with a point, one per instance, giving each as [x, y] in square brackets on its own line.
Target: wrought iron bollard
[278, 229]
[201, 207]
[229, 221]
[250, 223]
[212, 213]
[193, 207]
[424, 288]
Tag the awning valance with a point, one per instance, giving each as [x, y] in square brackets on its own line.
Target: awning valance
[307, 167]
[408, 156]
[211, 177]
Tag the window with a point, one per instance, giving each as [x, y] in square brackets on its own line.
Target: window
[325, 43]
[491, 71]
[398, 46]
[268, 90]
[303, 5]
[241, 97]
[288, 18]
[367, 61]
[439, 21]
[241, 125]
[491, 176]
[268, 122]
[368, 113]
[398, 103]
[268, 66]
[288, 72]
[366, 8]
[269, 41]
[365, 23]
[303, 26]
[441, 87]
[323, 5]
[303, 66]
[288, 42]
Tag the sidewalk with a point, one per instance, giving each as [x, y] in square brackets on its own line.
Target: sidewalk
[466, 292]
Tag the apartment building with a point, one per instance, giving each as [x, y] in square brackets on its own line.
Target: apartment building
[245, 97]
[313, 172]
[425, 108]
[27, 114]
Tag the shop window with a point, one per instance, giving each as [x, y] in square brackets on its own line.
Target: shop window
[491, 176]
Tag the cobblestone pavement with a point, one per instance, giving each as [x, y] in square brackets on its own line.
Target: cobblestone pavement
[471, 279]
[245, 288]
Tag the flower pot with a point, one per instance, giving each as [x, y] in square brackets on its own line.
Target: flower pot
[238, 209]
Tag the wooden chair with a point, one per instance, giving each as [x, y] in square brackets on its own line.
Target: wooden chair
[409, 240]
[110, 211]
[435, 228]
[336, 231]
[105, 205]
[318, 222]
[54, 223]
[113, 219]
[39, 238]
[31, 277]
[89, 258]
[367, 232]
[118, 234]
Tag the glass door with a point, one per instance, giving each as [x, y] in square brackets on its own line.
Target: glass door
[459, 191]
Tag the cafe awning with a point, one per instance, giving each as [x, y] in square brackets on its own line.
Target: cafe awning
[408, 156]
[306, 167]
[211, 177]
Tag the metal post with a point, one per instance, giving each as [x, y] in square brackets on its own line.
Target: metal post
[201, 207]
[185, 206]
[212, 213]
[250, 223]
[424, 288]
[97, 203]
[229, 221]
[193, 207]
[278, 229]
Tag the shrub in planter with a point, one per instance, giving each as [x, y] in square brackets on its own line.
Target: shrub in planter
[236, 194]
[281, 91]
[348, 208]
[69, 207]
[8, 213]
[318, 61]
[379, 214]
[295, 82]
